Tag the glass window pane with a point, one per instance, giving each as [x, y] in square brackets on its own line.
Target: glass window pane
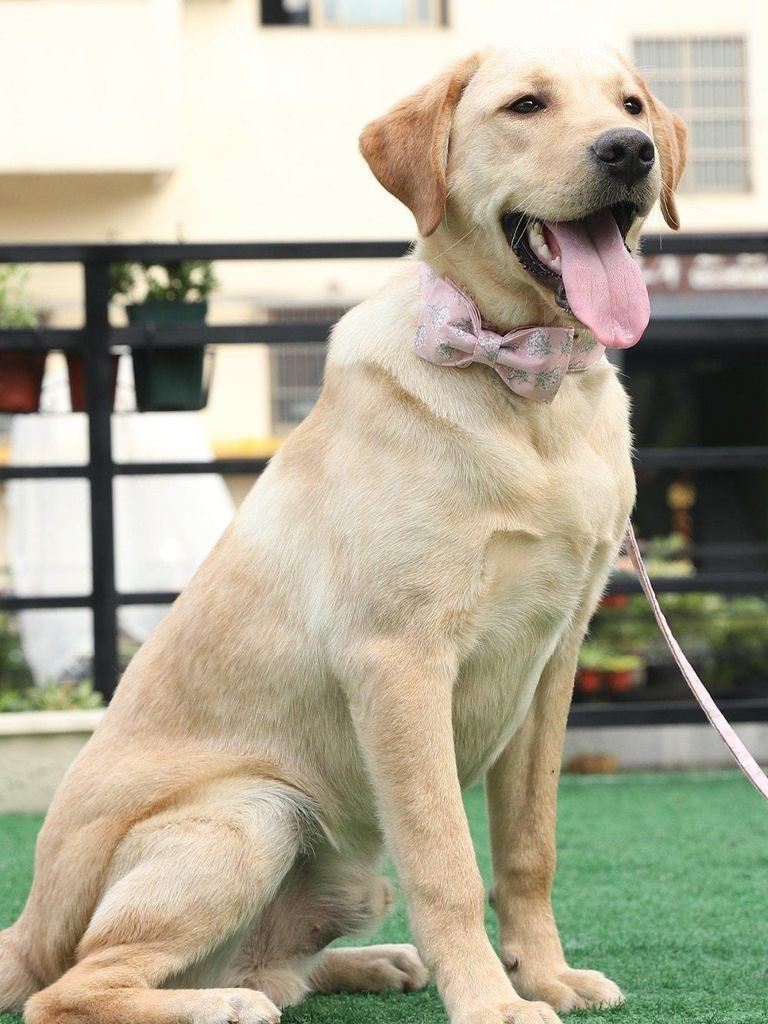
[717, 134]
[717, 53]
[718, 93]
[659, 53]
[45, 658]
[702, 53]
[721, 175]
[41, 513]
[671, 93]
[423, 11]
[366, 12]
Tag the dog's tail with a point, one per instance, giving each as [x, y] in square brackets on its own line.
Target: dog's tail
[17, 983]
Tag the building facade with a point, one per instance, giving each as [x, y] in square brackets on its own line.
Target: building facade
[238, 120]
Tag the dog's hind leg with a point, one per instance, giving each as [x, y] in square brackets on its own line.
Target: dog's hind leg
[184, 887]
[325, 898]
[392, 967]
[17, 981]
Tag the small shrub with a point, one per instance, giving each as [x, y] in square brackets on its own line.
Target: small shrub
[179, 281]
[16, 310]
[52, 697]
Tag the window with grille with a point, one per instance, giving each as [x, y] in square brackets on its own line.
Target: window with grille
[296, 370]
[704, 81]
[352, 12]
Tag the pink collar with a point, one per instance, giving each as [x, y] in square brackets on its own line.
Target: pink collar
[532, 361]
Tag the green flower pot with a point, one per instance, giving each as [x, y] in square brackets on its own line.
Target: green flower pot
[170, 379]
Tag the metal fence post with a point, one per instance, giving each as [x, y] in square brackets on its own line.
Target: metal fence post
[100, 475]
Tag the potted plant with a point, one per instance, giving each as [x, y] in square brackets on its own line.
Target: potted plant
[174, 378]
[603, 669]
[21, 373]
[589, 677]
[623, 672]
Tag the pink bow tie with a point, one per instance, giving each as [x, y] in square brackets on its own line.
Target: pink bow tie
[531, 361]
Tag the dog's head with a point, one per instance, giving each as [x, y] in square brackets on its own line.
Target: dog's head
[554, 160]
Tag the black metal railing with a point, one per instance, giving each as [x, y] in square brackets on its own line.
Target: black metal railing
[97, 336]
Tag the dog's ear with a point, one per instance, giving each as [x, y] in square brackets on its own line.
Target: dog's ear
[670, 135]
[407, 148]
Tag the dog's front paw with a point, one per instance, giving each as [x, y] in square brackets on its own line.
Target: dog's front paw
[567, 989]
[520, 1011]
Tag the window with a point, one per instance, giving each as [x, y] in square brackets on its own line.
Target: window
[352, 12]
[704, 81]
[297, 375]
[285, 12]
[296, 369]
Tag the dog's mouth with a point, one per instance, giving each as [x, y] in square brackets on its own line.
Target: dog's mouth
[589, 268]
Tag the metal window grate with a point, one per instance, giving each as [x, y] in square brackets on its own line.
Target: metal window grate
[704, 81]
[745, 329]
[296, 371]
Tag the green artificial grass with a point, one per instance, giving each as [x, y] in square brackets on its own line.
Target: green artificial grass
[661, 884]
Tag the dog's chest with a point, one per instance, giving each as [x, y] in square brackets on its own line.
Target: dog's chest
[540, 566]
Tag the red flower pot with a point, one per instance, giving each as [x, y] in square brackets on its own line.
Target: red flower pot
[589, 680]
[620, 682]
[21, 380]
[76, 368]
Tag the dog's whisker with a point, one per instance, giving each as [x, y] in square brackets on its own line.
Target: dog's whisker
[458, 241]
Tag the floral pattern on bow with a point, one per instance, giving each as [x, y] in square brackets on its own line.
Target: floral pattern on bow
[532, 361]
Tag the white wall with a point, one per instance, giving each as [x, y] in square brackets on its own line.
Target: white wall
[89, 86]
[259, 125]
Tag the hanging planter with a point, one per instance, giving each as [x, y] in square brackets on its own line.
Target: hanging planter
[170, 379]
[21, 381]
[76, 369]
[176, 378]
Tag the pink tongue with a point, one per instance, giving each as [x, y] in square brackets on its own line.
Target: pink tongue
[604, 285]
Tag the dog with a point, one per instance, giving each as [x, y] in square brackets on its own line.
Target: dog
[395, 612]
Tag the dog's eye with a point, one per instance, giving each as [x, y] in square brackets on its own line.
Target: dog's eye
[633, 105]
[526, 105]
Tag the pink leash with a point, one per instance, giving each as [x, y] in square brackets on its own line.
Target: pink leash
[744, 759]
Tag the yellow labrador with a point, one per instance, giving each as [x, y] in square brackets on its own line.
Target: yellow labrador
[395, 612]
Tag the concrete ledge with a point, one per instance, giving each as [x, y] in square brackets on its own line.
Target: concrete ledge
[38, 723]
[37, 747]
[666, 747]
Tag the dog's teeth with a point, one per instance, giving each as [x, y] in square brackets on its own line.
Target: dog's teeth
[539, 247]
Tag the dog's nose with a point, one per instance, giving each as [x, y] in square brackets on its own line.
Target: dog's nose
[626, 153]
